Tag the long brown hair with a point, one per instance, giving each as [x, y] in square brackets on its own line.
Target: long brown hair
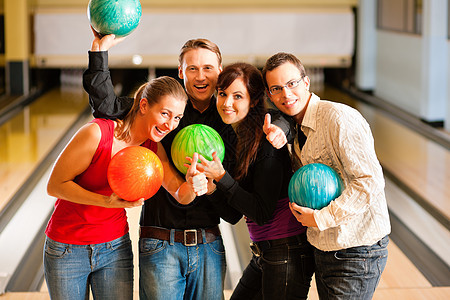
[152, 91]
[250, 130]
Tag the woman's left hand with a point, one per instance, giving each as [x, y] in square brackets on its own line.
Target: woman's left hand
[212, 169]
[195, 178]
[274, 134]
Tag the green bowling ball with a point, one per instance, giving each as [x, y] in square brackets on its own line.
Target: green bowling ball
[196, 138]
[119, 17]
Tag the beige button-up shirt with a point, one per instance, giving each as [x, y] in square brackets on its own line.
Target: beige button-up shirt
[338, 136]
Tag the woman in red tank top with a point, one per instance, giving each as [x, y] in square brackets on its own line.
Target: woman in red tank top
[87, 241]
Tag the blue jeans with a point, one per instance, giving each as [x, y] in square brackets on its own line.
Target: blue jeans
[170, 270]
[351, 273]
[107, 268]
[280, 272]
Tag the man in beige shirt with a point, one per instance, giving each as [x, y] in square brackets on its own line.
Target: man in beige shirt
[350, 234]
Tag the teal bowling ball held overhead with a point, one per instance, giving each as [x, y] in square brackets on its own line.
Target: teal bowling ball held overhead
[315, 186]
[118, 17]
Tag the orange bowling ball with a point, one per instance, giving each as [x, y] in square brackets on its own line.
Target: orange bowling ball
[134, 173]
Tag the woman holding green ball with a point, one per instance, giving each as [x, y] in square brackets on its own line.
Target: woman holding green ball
[282, 264]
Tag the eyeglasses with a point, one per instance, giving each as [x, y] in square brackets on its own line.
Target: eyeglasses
[276, 89]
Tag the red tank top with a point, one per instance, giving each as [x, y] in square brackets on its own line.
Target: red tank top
[80, 224]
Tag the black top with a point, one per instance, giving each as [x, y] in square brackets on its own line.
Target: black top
[162, 209]
[266, 182]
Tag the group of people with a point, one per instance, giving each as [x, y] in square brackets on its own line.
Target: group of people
[181, 252]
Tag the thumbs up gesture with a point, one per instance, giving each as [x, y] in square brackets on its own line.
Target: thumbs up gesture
[196, 179]
[274, 134]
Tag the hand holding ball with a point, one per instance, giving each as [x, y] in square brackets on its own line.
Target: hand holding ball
[118, 17]
[315, 186]
[134, 173]
[196, 138]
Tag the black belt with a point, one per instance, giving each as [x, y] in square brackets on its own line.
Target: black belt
[188, 237]
[259, 247]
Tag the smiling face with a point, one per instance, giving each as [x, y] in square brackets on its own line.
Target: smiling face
[199, 70]
[162, 117]
[292, 102]
[233, 103]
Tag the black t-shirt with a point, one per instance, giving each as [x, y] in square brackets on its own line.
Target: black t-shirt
[162, 209]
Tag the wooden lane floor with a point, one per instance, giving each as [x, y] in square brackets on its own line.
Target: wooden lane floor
[28, 137]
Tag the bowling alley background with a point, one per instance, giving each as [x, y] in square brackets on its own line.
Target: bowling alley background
[393, 51]
[390, 59]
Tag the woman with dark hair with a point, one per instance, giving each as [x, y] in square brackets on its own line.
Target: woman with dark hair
[282, 264]
[88, 245]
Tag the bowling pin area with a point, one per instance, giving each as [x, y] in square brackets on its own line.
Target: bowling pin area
[415, 158]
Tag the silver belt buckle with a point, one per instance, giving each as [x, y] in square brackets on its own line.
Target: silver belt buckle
[185, 235]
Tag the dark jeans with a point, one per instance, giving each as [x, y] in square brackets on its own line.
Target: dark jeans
[351, 273]
[282, 271]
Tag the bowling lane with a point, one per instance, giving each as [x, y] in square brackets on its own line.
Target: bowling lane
[29, 136]
[30, 143]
